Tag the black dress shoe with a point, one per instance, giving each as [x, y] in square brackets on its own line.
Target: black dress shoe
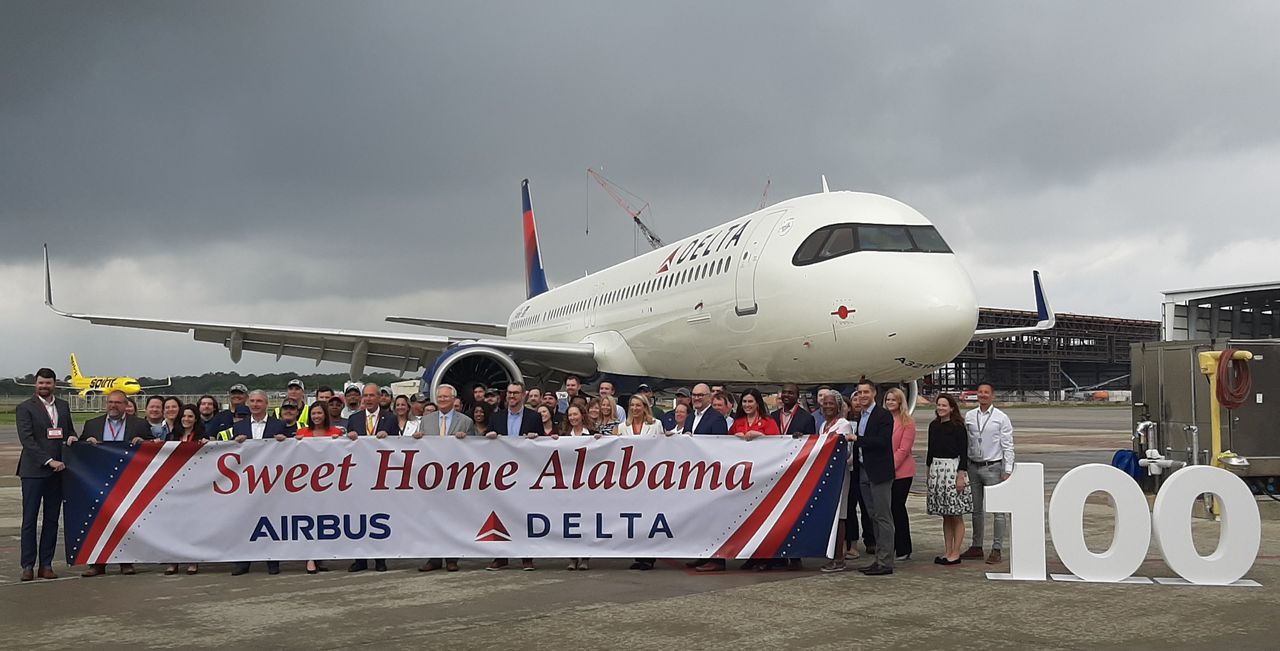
[873, 566]
[879, 571]
[358, 566]
[379, 566]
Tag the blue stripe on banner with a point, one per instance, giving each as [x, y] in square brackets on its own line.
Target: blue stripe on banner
[93, 473]
[806, 540]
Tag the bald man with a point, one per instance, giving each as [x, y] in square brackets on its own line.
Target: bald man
[713, 423]
[372, 419]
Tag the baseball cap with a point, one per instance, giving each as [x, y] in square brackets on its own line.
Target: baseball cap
[337, 398]
[289, 404]
[683, 392]
[242, 410]
[351, 386]
[238, 388]
[643, 387]
[385, 391]
[420, 397]
[295, 382]
[493, 392]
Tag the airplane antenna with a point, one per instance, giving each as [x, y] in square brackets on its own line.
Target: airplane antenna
[616, 191]
[764, 198]
[825, 189]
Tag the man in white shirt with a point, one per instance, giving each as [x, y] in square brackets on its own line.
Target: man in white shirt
[990, 462]
[446, 421]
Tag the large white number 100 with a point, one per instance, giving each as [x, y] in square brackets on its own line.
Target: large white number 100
[1022, 496]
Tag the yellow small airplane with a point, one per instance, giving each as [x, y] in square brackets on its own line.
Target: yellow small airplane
[88, 385]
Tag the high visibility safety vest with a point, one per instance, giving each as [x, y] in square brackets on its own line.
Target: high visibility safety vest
[302, 417]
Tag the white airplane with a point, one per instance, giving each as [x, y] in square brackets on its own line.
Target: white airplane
[823, 288]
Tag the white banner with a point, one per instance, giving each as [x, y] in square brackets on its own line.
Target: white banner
[688, 497]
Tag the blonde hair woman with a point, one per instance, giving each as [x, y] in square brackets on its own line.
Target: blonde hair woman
[607, 423]
[640, 420]
[904, 464]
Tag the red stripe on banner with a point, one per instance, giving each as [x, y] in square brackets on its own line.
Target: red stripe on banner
[773, 541]
[177, 459]
[739, 539]
[137, 465]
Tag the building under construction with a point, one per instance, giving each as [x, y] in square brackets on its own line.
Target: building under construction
[1080, 353]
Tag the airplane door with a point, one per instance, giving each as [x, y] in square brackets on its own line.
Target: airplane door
[749, 259]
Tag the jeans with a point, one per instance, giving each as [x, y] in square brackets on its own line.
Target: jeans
[40, 492]
[980, 476]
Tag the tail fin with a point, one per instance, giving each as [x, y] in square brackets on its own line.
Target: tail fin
[75, 368]
[535, 280]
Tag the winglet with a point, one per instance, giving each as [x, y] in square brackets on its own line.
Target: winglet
[1044, 314]
[1045, 318]
[825, 189]
[535, 279]
[48, 285]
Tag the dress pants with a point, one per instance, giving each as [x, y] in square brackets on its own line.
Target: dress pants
[982, 475]
[901, 523]
[858, 513]
[38, 492]
[879, 498]
[271, 565]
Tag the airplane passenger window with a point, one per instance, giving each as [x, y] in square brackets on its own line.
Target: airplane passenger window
[884, 238]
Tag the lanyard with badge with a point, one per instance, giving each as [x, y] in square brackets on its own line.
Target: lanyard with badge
[115, 432]
[54, 432]
[787, 418]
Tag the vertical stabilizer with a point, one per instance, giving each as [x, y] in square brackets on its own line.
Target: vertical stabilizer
[75, 369]
[535, 279]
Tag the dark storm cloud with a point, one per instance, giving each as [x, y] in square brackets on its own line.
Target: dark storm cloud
[384, 142]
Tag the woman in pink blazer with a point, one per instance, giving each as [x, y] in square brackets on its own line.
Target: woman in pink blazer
[904, 463]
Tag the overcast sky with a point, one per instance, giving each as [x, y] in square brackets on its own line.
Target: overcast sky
[328, 164]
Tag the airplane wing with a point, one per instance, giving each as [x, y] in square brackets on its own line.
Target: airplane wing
[401, 352]
[1045, 317]
[491, 329]
[168, 382]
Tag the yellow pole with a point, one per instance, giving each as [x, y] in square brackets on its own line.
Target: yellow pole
[1209, 366]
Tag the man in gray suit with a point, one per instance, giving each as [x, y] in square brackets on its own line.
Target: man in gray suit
[445, 421]
[44, 423]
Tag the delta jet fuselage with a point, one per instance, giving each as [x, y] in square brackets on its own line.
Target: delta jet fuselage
[821, 288]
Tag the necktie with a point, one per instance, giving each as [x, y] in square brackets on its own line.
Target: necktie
[368, 424]
[442, 424]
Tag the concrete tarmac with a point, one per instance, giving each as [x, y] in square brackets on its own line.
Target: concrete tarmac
[922, 605]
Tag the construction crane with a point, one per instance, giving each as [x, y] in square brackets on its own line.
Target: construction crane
[612, 188]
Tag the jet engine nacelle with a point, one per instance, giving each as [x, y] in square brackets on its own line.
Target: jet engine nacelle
[465, 366]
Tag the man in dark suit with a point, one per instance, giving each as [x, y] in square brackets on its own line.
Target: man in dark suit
[371, 420]
[515, 420]
[791, 418]
[874, 448]
[714, 422]
[116, 426]
[44, 422]
[260, 425]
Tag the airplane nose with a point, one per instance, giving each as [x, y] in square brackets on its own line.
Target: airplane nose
[943, 313]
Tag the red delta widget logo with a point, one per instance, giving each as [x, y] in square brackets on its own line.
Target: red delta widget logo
[570, 526]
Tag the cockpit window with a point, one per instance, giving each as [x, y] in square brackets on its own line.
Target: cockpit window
[884, 238]
[842, 239]
[928, 240]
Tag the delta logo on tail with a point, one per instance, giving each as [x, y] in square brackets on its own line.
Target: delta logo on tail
[493, 530]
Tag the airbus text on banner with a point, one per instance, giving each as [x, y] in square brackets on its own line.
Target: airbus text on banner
[417, 498]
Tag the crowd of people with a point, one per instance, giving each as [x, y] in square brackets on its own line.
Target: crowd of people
[966, 452]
